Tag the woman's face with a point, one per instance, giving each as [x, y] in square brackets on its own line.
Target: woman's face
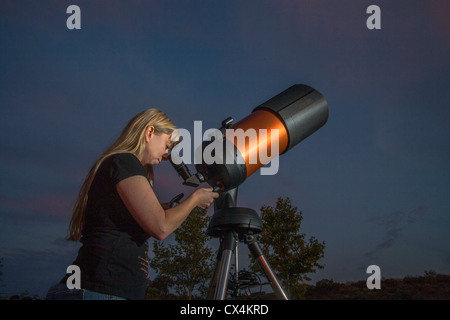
[156, 147]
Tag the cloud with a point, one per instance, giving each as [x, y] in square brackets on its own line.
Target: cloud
[394, 223]
[40, 206]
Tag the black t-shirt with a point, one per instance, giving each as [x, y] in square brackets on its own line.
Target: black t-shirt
[114, 256]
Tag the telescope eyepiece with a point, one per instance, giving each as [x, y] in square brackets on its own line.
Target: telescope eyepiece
[180, 168]
[193, 180]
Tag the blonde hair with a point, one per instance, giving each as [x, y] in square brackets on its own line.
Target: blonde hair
[131, 140]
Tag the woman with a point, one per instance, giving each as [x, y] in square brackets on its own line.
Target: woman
[117, 211]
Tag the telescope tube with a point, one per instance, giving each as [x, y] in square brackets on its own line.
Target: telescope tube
[296, 112]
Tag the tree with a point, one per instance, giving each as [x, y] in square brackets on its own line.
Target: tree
[289, 254]
[187, 265]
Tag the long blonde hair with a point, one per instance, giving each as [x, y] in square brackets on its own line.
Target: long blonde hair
[131, 140]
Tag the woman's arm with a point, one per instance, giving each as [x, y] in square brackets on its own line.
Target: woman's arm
[143, 205]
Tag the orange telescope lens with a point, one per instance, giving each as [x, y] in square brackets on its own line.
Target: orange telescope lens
[255, 140]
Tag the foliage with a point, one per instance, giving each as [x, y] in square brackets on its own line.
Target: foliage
[436, 287]
[187, 265]
[289, 254]
[430, 273]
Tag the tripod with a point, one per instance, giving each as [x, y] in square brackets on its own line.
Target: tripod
[233, 225]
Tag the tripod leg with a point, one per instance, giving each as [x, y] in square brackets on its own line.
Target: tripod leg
[221, 274]
[257, 253]
[213, 281]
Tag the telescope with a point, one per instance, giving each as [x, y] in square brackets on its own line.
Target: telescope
[239, 150]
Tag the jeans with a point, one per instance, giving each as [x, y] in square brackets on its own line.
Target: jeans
[61, 292]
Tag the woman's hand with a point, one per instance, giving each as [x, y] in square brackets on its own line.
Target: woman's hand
[204, 197]
[141, 201]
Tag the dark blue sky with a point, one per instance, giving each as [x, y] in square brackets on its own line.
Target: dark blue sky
[373, 183]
